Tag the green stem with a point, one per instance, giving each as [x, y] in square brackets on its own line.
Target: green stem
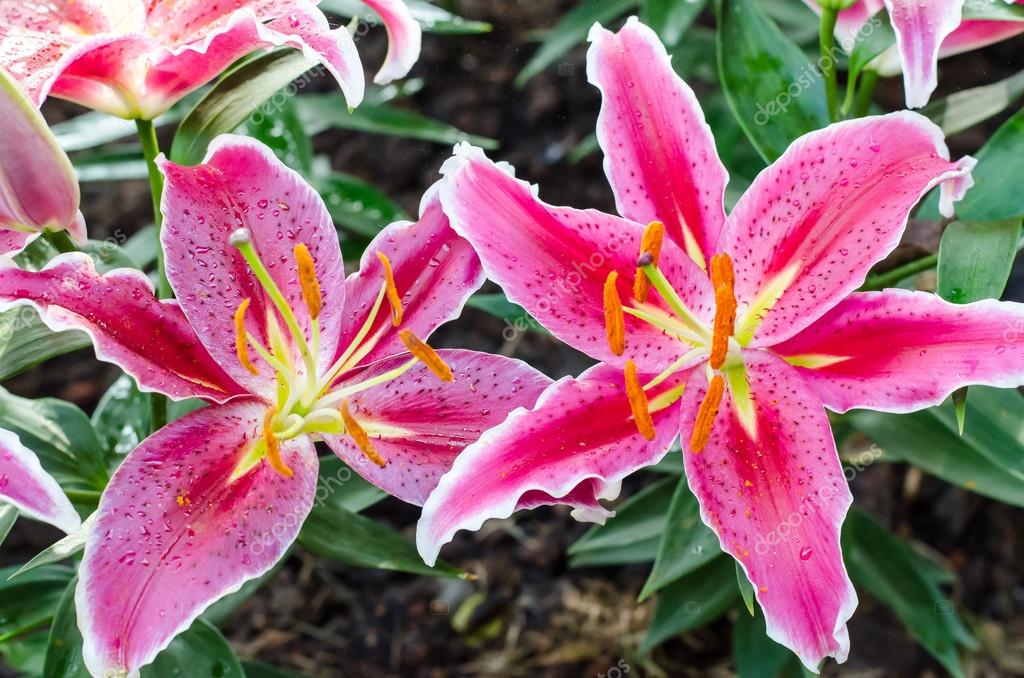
[893, 277]
[83, 496]
[827, 41]
[61, 240]
[868, 82]
[151, 149]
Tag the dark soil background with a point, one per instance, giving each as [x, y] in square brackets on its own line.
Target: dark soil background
[540, 618]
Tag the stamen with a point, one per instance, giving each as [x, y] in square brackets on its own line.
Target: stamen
[242, 338]
[307, 278]
[359, 436]
[650, 246]
[614, 319]
[426, 355]
[706, 414]
[638, 402]
[273, 447]
[724, 281]
[392, 289]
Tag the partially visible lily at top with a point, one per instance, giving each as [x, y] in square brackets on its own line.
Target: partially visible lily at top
[731, 331]
[38, 189]
[926, 31]
[136, 58]
[288, 351]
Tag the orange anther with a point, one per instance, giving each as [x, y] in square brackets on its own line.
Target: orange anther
[707, 413]
[724, 281]
[241, 340]
[426, 355]
[308, 280]
[360, 437]
[392, 289]
[614, 319]
[638, 402]
[273, 447]
[654, 236]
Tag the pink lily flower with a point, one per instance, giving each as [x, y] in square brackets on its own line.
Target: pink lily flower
[288, 351]
[926, 31]
[38, 188]
[30, 489]
[136, 58]
[734, 331]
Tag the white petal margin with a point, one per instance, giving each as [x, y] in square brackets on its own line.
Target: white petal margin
[28, 487]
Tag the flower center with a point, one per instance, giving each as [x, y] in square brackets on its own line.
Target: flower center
[717, 343]
[308, 399]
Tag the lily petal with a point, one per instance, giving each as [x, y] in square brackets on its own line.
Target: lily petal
[975, 34]
[777, 500]
[149, 339]
[921, 26]
[660, 156]
[38, 188]
[175, 533]
[902, 351]
[435, 272]
[419, 424]
[554, 260]
[404, 39]
[29, 488]
[813, 224]
[579, 436]
[241, 184]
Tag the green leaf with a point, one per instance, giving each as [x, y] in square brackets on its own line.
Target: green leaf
[670, 19]
[754, 653]
[26, 342]
[883, 564]
[282, 131]
[692, 601]
[966, 108]
[994, 10]
[119, 164]
[122, 418]
[870, 43]
[93, 129]
[261, 670]
[62, 550]
[320, 112]
[686, 542]
[975, 259]
[29, 602]
[60, 434]
[571, 30]
[8, 516]
[988, 459]
[517, 320]
[64, 644]
[774, 91]
[238, 95]
[339, 487]
[357, 206]
[746, 589]
[633, 534]
[432, 19]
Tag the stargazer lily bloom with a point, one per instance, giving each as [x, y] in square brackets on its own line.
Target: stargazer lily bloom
[288, 351]
[734, 331]
[136, 58]
[25, 485]
[926, 31]
[38, 188]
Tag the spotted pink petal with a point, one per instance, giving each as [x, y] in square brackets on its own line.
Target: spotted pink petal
[554, 260]
[241, 184]
[38, 188]
[578, 441]
[435, 272]
[777, 501]
[115, 58]
[659, 153]
[176, 534]
[902, 351]
[30, 489]
[921, 26]
[419, 424]
[149, 339]
[404, 39]
[832, 206]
